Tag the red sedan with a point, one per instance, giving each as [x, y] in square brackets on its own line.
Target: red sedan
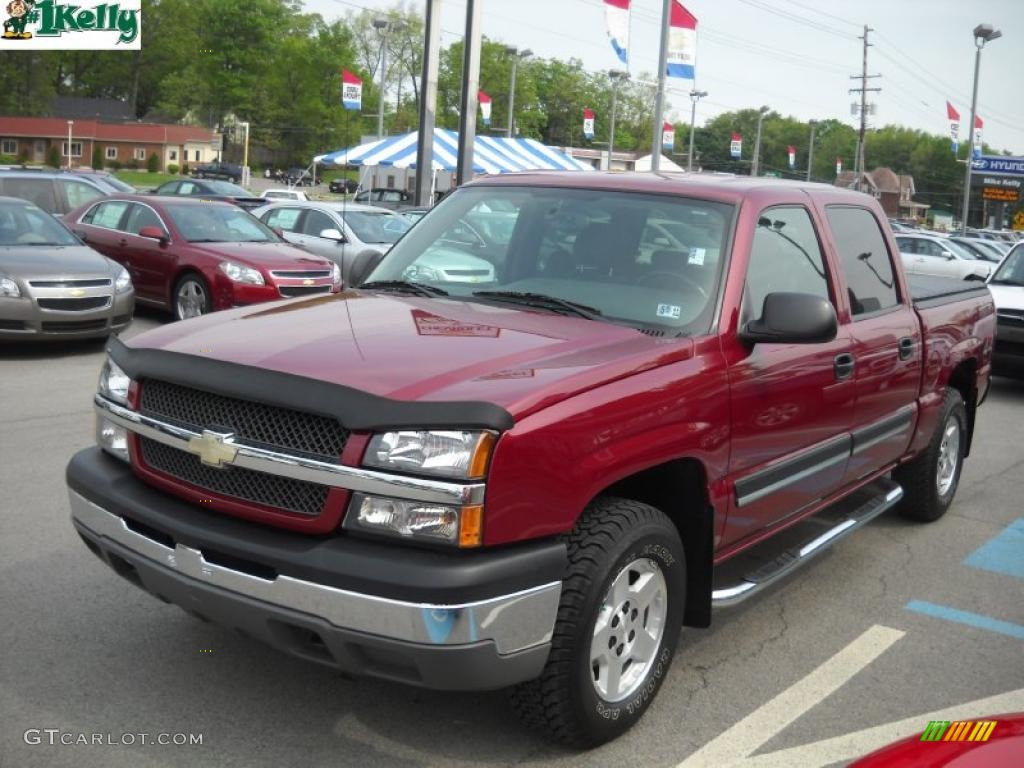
[195, 256]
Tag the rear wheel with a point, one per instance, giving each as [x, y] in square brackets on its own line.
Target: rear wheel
[618, 622]
[191, 297]
[930, 480]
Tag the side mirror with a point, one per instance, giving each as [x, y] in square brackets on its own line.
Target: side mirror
[792, 318]
[154, 233]
[948, 256]
[332, 234]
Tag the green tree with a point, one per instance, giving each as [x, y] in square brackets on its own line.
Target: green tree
[53, 156]
[153, 162]
[97, 157]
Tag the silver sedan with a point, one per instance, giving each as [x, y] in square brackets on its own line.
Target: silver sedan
[51, 285]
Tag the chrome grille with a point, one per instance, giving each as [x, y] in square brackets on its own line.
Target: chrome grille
[300, 274]
[281, 429]
[98, 282]
[76, 305]
[236, 482]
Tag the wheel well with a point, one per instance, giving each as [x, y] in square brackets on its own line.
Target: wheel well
[679, 489]
[177, 278]
[963, 381]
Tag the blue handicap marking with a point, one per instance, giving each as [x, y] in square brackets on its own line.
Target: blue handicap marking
[971, 619]
[1002, 554]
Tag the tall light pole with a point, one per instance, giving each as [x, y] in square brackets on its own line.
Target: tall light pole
[810, 149]
[755, 166]
[616, 76]
[695, 96]
[516, 55]
[71, 124]
[983, 33]
[381, 25]
[245, 156]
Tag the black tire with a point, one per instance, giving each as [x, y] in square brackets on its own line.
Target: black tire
[924, 500]
[204, 296]
[564, 702]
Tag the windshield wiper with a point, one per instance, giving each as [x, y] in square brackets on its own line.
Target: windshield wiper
[209, 240]
[542, 301]
[1003, 281]
[404, 285]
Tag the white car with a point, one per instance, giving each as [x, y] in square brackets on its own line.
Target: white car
[939, 256]
[284, 194]
[1007, 288]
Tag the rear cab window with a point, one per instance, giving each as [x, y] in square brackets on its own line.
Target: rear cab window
[865, 260]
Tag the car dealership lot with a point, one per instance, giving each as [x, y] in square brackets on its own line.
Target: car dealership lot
[88, 654]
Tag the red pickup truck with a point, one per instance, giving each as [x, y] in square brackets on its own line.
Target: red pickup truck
[535, 481]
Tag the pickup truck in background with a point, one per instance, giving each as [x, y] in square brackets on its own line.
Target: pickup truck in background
[534, 477]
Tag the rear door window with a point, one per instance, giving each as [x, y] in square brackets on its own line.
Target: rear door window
[38, 191]
[865, 259]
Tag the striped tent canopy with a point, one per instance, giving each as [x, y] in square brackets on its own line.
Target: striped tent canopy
[490, 154]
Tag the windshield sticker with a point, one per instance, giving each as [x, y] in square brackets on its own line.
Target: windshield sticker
[697, 256]
[670, 311]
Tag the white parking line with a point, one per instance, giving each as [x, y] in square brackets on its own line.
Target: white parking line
[738, 742]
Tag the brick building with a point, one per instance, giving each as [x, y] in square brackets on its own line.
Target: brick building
[894, 191]
[29, 139]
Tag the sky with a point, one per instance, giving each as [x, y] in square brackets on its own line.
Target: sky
[795, 56]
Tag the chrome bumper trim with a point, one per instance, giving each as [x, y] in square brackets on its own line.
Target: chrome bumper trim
[298, 467]
[513, 622]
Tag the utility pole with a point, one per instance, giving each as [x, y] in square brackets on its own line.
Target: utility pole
[858, 161]
[616, 76]
[695, 96]
[381, 25]
[470, 93]
[755, 166]
[428, 104]
[810, 149]
[659, 98]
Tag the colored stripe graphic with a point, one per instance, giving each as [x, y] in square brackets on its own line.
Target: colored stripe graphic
[960, 730]
[934, 730]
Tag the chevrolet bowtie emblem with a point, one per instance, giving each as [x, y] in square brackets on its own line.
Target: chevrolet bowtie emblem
[76, 292]
[214, 449]
[307, 281]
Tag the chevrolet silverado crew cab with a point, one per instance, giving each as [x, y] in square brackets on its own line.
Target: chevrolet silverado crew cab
[530, 475]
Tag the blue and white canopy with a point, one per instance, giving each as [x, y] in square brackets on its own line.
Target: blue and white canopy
[490, 154]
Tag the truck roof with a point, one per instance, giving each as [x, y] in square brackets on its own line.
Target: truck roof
[716, 185]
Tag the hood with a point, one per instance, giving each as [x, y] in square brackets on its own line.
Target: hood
[50, 261]
[271, 255]
[411, 348]
[1007, 296]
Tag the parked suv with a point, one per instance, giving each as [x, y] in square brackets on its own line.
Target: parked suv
[54, 191]
[228, 171]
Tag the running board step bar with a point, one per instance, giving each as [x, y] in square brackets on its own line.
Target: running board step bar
[861, 508]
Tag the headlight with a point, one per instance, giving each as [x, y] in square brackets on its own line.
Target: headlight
[420, 520]
[240, 274]
[114, 383]
[335, 273]
[123, 282]
[462, 455]
[413, 272]
[9, 288]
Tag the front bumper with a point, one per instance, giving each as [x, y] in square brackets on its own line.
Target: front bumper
[455, 621]
[1008, 354]
[23, 318]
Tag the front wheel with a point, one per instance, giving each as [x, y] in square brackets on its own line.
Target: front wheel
[930, 480]
[618, 622]
[191, 297]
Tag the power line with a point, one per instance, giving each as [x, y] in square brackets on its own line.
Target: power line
[824, 13]
[797, 19]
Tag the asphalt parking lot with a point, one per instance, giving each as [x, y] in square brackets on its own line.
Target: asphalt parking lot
[900, 623]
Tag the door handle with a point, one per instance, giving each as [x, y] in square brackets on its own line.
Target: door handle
[906, 348]
[122, 242]
[843, 365]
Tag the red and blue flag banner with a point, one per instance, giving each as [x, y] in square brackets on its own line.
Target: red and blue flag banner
[954, 126]
[485, 107]
[978, 125]
[588, 124]
[839, 165]
[792, 157]
[668, 137]
[616, 14]
[351, 90]
[736, 146]
[682, 42]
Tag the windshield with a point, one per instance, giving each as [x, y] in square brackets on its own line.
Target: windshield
[22, 224]
[376, 226]
[226, 188]
[1011, 271]
[112, 181]
[218, 223]
[649, 261]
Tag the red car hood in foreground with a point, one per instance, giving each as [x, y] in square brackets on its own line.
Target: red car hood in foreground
[1004, 748]
[412, 348]
[263, 255]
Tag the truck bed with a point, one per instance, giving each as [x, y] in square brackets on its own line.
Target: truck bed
[934, 291]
